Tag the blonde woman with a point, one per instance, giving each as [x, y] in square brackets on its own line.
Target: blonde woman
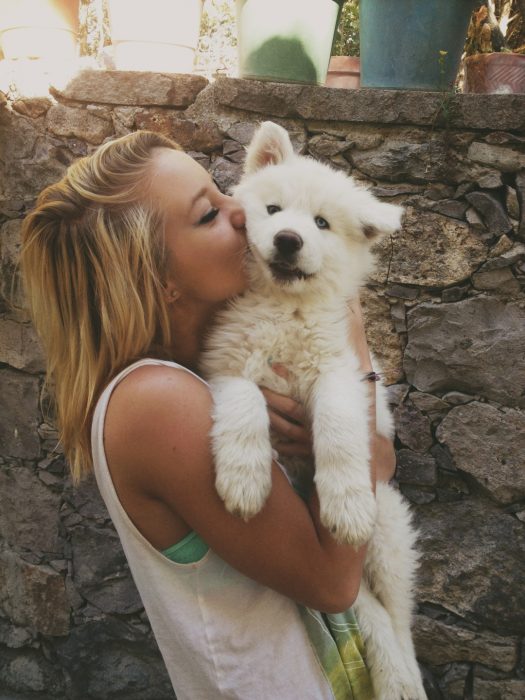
[125, 262]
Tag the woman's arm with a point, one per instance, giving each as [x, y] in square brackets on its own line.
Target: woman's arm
[157, 442]
[157, 438]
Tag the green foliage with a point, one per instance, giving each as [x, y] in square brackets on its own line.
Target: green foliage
[93, 27]
[346, 41]
[217, 49]
[497, 25]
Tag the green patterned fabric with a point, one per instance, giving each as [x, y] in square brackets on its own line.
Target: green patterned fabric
[337, 642]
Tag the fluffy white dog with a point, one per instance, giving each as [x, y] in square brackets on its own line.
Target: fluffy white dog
[310, 229]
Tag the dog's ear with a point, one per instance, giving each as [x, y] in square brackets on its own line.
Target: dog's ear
[381, 219]
[270, 145]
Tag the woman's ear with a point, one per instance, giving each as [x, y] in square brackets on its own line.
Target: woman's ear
[270, 145]
[171, 293]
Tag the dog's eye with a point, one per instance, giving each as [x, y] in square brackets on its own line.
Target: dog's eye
[321, 223]
[273, 208]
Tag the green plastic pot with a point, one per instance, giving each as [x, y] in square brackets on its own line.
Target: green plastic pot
[412, 44]
[286, 40]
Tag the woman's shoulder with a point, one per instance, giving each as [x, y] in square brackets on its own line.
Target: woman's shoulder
[155, 376]
[151, 401]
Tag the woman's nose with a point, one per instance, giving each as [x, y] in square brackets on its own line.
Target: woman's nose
[238, 217]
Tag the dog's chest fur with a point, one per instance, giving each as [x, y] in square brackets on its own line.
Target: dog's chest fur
[255, 332]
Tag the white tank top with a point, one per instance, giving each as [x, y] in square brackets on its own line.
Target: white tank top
[221, 635]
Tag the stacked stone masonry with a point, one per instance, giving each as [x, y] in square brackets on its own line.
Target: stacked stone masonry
[446, 315]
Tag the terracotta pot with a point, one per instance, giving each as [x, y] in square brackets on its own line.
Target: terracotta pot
[343, 72]
[500, 73]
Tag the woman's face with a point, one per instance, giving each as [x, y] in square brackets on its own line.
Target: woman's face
[204, 232]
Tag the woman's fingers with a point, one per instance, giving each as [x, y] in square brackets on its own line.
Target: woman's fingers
[293, 449]
[291, 431]
[285, 406]
[357, 334]
[289, 420]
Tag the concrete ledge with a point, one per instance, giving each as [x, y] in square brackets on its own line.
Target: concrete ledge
[288, 100]
[500, 112]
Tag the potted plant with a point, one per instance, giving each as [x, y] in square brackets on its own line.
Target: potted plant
[344, 66]
[157, 35]
[286, 41]
[495, 61]
[412, 44]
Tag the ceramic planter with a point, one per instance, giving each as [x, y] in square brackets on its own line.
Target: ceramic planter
[499, 73]
[286, 41]
[412, 44]
[343, 72]
[157, 35]
[39, 29]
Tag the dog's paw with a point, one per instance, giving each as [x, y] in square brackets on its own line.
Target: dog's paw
[243, 494]
[413, 689]
[244, 484]
[394, 688]
[349, 515]
[413, 684]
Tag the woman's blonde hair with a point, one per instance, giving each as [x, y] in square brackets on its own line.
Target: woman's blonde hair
[93, 265]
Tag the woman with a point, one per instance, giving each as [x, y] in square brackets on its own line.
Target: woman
[126, 261]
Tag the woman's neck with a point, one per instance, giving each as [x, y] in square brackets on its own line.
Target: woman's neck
[190, 321]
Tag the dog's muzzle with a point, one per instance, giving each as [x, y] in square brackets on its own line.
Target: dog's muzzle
[287, 243]
[284, 264]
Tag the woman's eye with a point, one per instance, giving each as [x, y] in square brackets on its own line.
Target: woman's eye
[321, 223]
[273, 208]
[209, 216]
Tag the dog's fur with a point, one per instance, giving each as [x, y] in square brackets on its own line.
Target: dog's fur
[308, 255]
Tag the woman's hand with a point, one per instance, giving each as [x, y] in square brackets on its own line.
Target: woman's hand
[288, 419]
[357, 335]
[383, 456]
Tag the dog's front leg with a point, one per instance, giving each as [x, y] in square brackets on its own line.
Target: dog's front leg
[339, 406]
[241, 445]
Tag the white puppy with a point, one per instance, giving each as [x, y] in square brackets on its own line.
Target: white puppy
[310, 229]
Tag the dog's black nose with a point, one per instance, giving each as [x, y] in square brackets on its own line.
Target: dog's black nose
[287, 243]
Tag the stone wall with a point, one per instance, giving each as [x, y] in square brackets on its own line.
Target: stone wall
[446, 314]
